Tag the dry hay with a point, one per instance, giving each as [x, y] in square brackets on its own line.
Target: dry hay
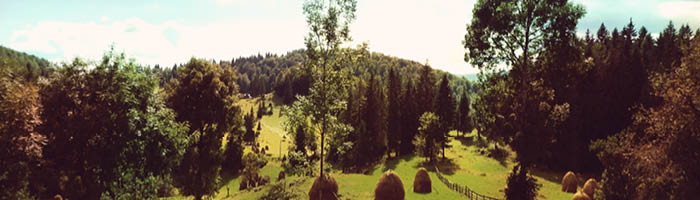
[580, 196]
[421, 182]
[324, 188]
[569, 183]
[281, 176]
[389, 187]
[590, 187]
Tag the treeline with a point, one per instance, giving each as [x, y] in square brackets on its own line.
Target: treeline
[382, 108]
[611, 101]
[107, 129]
[283, 74]
[23, 64]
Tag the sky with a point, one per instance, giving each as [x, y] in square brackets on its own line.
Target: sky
[169, 32]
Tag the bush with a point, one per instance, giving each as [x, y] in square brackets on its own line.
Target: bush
[521, 186]
[279, 191]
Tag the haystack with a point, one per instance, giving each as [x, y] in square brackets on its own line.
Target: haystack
[281, 176]
[324, 188]
[590, 187]
[421, 183]
[580, 196]
[569, 183]
[389, 187]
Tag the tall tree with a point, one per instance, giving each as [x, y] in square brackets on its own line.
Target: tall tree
[20, 143]
[111, 108]
[328, 23]
[425, 141]
[445, 109]
[204, 95]
[464, 122]
[656, 157]
[373, 138]
[394, 123]
[409, 118]
[514, 33]
[426, 90]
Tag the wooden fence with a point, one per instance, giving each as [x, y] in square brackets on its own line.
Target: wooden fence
[471, 194]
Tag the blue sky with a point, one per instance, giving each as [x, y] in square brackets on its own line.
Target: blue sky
[168, 32]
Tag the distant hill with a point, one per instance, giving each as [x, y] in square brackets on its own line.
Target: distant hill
[470, 77]
[20, 63]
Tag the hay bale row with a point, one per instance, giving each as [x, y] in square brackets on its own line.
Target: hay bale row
[389, 187]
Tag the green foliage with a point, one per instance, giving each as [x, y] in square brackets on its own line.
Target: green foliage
[279, 191]
[445, 110]
[464, 121]
[249, 123]
[656, 156]
[426, 90]
[20, 64]
[298, 163]
[492, 103]
[329, 28]
[20, 145]
[204, 96]
[395, 127]
[409, 118]
[540, 30]
[112, 109]
[426, 141]
[521, 185]
[233, 153]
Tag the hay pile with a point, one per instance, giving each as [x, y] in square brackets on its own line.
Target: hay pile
[590, 187]
[569, 183]
[324, 188]
[421, 183]
[580, 196]
[389, 187]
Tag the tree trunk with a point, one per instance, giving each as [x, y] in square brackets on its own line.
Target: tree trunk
[323, 134]
[443, 150]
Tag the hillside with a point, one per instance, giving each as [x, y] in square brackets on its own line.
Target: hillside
[467, 164]
[20, 63]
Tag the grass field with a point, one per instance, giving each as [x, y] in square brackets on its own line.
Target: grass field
[465, 165]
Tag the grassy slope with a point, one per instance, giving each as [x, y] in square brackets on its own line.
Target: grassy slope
[466, 166]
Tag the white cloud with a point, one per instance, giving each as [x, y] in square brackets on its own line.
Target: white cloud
[416, 30]
[413, 29]
[104, 19]
[681, 12]
[166, 43]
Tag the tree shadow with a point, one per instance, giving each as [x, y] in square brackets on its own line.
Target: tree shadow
[228, 176]
[501, 155]
[390, 164]
[446, 166]
[465, 140]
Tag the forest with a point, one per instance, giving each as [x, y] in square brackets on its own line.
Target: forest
[618, 105]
